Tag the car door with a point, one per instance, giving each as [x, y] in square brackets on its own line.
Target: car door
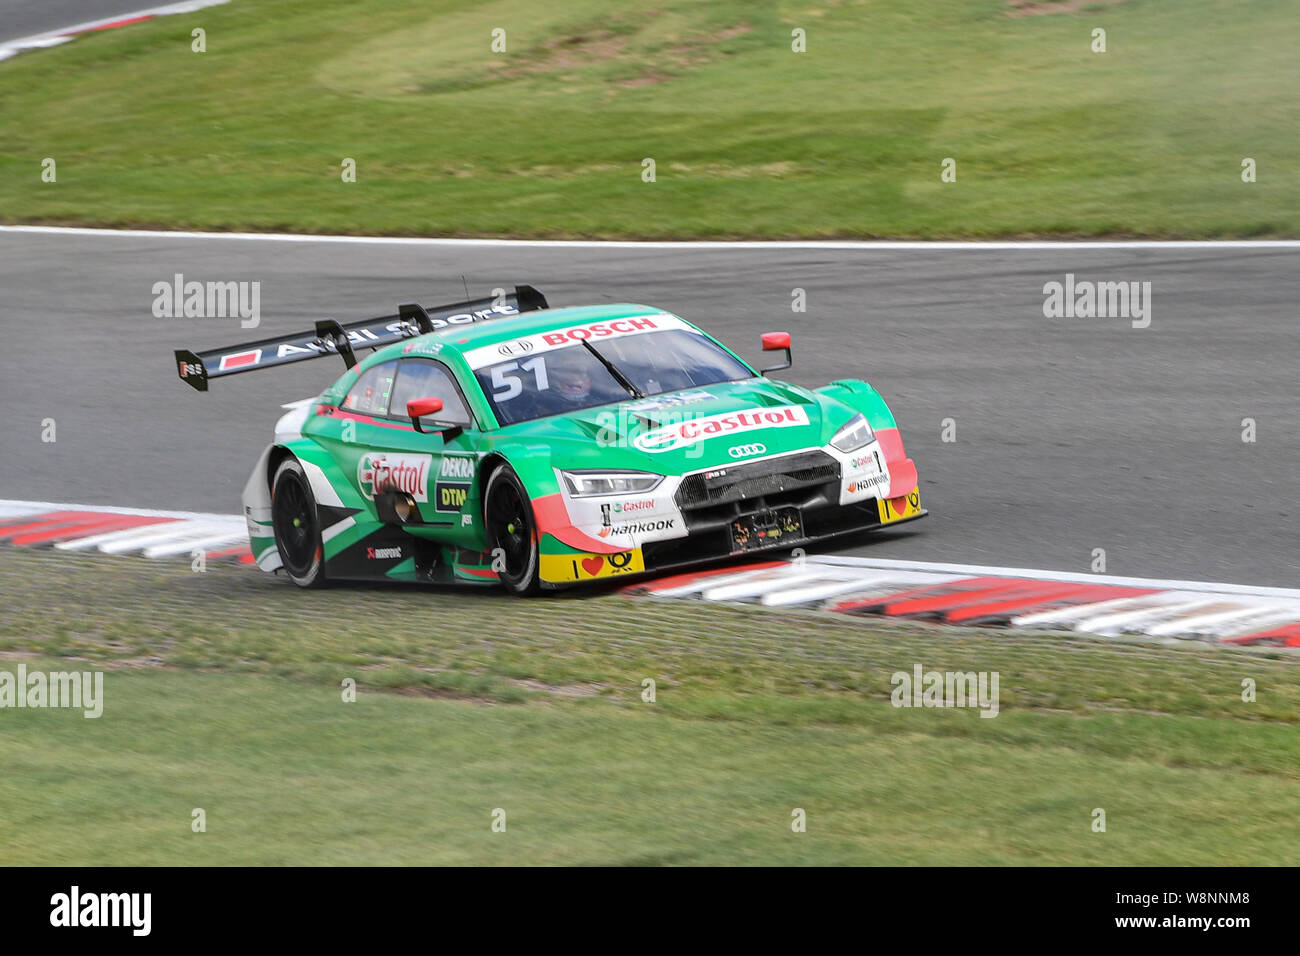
[454, 462]
[386, 452]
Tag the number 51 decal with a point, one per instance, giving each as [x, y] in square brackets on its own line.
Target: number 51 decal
[506, 386]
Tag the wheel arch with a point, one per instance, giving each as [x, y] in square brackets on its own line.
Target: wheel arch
[329, 483]
[861, 397]
[307, 572]
[274, 456]
[493, 464]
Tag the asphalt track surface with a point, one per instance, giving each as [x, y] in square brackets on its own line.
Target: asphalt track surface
[1071, 434]
[23, 18]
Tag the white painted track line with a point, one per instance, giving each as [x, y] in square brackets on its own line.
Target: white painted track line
[1131, 621]
[1070, 616]
[19, 509]
[1035, 574]
[185, 531]
[1227, 622]
[206, 542]
[885, 581]
[9, 48]
[827, 245]
[759, 584]
[105, 538]
[1181, 609]
[154, 535]
[694, 587]
[1163, 609]
[35, 507]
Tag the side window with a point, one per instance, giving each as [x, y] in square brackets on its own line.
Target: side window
[369, 396]
[425, 378]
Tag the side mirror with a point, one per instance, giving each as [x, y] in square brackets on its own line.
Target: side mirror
[418, 408]
[778, 342]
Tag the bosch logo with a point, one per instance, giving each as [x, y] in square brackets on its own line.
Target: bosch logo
[746, 451]
[523, 345]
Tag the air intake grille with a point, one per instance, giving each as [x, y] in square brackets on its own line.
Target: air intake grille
[732, 483]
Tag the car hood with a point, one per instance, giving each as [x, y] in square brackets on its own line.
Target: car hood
[683, 431]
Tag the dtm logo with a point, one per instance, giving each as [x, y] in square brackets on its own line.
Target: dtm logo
[746, 451]
[377, 473]
[455, 466]
[451, 495]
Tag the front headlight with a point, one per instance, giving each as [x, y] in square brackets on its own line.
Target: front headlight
[853, 435]
[588, 484]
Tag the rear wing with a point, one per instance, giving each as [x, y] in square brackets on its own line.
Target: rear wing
[331, 338]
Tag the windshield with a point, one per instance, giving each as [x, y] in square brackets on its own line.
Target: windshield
[571, 378]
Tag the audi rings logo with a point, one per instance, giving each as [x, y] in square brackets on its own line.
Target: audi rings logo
[514, 348]
[746, 451]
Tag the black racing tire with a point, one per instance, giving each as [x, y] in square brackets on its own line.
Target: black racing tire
[297, 525]
[511, 532]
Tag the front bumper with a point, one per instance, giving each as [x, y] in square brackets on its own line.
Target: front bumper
[808, 484]
[770, 505]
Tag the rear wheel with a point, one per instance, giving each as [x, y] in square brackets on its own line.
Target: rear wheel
[511, 531]
[297, 525]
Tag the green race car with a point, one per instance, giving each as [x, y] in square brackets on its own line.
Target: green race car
[500, 440]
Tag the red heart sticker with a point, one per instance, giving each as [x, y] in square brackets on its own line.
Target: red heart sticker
[899, 505]
[593, 564]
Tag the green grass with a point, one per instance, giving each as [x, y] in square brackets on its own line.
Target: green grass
[749, 138]
[222, 691]
[289, 774]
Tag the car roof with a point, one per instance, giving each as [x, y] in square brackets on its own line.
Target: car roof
[460, 338]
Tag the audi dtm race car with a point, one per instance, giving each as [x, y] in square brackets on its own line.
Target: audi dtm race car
[502, 440]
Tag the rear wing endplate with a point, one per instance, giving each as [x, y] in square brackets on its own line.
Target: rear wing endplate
[329, 337]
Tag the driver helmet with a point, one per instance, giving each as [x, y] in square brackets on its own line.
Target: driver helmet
[569, 377]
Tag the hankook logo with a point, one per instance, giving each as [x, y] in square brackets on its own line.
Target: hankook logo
[641, 527]
[746, 451]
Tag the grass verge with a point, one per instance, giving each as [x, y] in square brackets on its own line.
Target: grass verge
[749, 138]
[222, 692]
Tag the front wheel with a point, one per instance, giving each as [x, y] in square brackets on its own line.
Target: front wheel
[511, 532]
[297, 525]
